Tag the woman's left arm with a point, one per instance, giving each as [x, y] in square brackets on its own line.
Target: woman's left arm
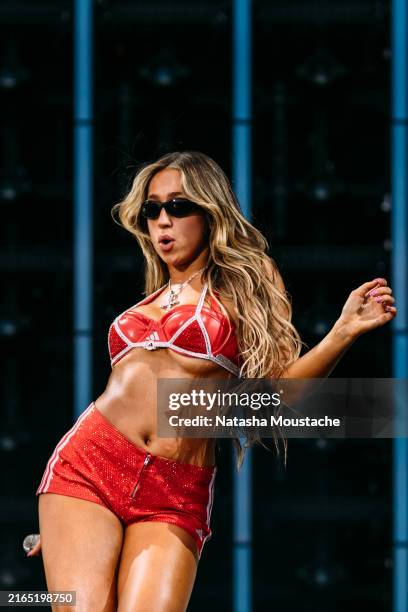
[367, 307]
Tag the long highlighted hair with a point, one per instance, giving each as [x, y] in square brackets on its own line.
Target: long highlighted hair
[238, 267]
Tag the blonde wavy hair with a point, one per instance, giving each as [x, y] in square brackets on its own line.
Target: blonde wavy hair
[238, 267]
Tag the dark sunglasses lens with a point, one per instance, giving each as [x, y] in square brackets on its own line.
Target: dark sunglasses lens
[181, 208]
[175, 208]
[150, 210]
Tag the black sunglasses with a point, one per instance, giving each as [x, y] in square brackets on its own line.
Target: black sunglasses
[176, 207]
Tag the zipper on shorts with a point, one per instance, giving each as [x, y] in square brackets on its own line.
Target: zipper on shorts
[146, 461]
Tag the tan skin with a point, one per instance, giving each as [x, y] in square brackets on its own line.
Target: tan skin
[151, 567]
[147, 566]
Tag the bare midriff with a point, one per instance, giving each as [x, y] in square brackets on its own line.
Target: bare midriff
[129, 401]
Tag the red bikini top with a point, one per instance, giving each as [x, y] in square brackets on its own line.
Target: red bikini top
[193, 330]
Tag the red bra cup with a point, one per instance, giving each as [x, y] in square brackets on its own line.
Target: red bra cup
[193, 330]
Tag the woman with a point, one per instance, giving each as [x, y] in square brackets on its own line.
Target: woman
[124, 514]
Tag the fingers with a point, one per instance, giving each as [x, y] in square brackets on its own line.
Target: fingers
[387, 316]
[369, 286]
[382, 295]
[378, 291]
[384, 299]
[35, 551]
[382, 319]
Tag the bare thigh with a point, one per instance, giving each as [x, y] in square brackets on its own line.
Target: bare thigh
[157, 568]
[81, 543]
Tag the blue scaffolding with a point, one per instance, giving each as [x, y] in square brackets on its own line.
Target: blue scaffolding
[399, 232]
[241, 177]
[83, 204]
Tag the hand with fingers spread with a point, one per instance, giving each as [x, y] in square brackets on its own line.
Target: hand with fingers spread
[369, 306]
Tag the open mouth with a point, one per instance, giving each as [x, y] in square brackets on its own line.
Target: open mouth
[166, 244]
[166, 240]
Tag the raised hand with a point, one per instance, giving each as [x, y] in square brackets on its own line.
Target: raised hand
[367, 307]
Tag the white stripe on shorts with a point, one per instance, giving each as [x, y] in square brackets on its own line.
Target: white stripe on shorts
[48, 473]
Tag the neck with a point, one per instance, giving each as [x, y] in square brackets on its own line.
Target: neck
[187, 279]
[180, 274]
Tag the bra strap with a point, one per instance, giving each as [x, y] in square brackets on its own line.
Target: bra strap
[201, 300]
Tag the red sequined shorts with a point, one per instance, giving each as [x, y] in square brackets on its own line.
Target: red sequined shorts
[95, 461]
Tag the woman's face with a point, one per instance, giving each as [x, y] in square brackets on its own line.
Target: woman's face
[188, 233]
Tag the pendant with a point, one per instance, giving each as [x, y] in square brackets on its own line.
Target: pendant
[173, 301]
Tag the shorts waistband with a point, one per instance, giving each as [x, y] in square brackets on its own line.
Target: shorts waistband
[115, 433]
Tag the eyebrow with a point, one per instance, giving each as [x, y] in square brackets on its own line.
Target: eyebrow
[169, 195]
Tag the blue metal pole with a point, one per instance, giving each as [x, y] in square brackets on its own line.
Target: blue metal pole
[242, 103]
[399, 222]
[241, 175]
[83, 196]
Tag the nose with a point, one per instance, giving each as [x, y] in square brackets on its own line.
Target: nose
[163, 218]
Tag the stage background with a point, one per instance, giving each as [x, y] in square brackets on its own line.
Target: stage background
[320, 194]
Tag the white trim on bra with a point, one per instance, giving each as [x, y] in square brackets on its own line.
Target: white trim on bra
[151, 343]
